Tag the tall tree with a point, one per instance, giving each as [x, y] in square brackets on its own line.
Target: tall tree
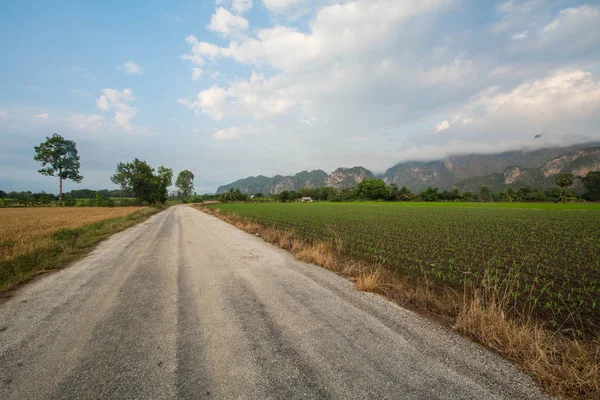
[164, 179]
[564, 180]
[59, 157]
[185, 184]
[138, 178]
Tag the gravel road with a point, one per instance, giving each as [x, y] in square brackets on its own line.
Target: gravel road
[186, 306]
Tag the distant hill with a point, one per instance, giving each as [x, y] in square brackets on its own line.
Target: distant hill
[516, 169]
[340, 178]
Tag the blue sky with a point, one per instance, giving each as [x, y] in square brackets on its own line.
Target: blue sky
[231, 88]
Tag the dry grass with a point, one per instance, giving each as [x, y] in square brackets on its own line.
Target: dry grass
[25, 229]
[563, 366]
[371, 281]
[34, 240]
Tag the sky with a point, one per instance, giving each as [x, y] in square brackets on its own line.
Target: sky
[233, 88]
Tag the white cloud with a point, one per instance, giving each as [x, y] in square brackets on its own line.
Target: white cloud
[315, 64]
[196, 73]
[202, 51]
[454, 72]
[237, 6]
[227, 24]
[241, 6]
[442, 126]
[292, 9]
[467, 121]
[43, 116]
[520, 36]
[227, 134]
[131, 68]
[565, 101]
[78, 69]
[86, 123]
[501, 71]
[119, 101]
[3, 113]
[80, 92]
[210, 101]
[573, 27]
[339, 30]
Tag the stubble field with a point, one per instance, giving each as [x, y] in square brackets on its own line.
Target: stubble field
[37, 239]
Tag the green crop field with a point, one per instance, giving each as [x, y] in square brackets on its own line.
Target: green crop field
[551, 252]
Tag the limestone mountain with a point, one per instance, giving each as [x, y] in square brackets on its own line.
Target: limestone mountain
[535, 169]
[340, 178]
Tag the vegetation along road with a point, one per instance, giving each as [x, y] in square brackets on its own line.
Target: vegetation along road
[185, 305]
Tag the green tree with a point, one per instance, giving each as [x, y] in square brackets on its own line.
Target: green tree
[185, 184]
[138, 178]
[373, 189]
[163, 179]
[484, 194]
[405, 194]
[430, 194]
[563, 181]
[59, 157]
[591, 183]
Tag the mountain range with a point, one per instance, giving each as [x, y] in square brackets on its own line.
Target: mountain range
[535, 169]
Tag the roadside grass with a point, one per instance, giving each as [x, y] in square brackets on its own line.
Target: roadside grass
[563, 365]
[39, 240]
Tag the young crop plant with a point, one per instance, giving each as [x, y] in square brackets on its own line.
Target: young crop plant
[551, 256]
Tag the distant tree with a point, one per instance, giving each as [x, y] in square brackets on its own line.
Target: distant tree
[231, 195]
[484, 194]
[467, 196]
[591, 183]
[289, 195]
[185, 184]
[405, 195]
[258, 195]
[307, 192]
[330, 193]
[163, 179]
[372, 189]
[430, 194]
[3, 194]
[564, 181]
[59, 157]
[138, 178]
[394, 192]
[346, 194]
[511, 195]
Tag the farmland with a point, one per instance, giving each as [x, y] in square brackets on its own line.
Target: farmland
[34, 239]
[547, 256]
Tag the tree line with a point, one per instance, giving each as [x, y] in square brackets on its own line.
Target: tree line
[59, 158]
[375, 189]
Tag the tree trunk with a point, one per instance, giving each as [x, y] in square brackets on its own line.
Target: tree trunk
[60, 194]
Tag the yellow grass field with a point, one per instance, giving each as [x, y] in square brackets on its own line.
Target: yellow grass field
[25, 229]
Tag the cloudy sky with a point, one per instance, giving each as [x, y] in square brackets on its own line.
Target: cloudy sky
[231, 88]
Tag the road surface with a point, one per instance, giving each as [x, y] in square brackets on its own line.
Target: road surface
[186, 306]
